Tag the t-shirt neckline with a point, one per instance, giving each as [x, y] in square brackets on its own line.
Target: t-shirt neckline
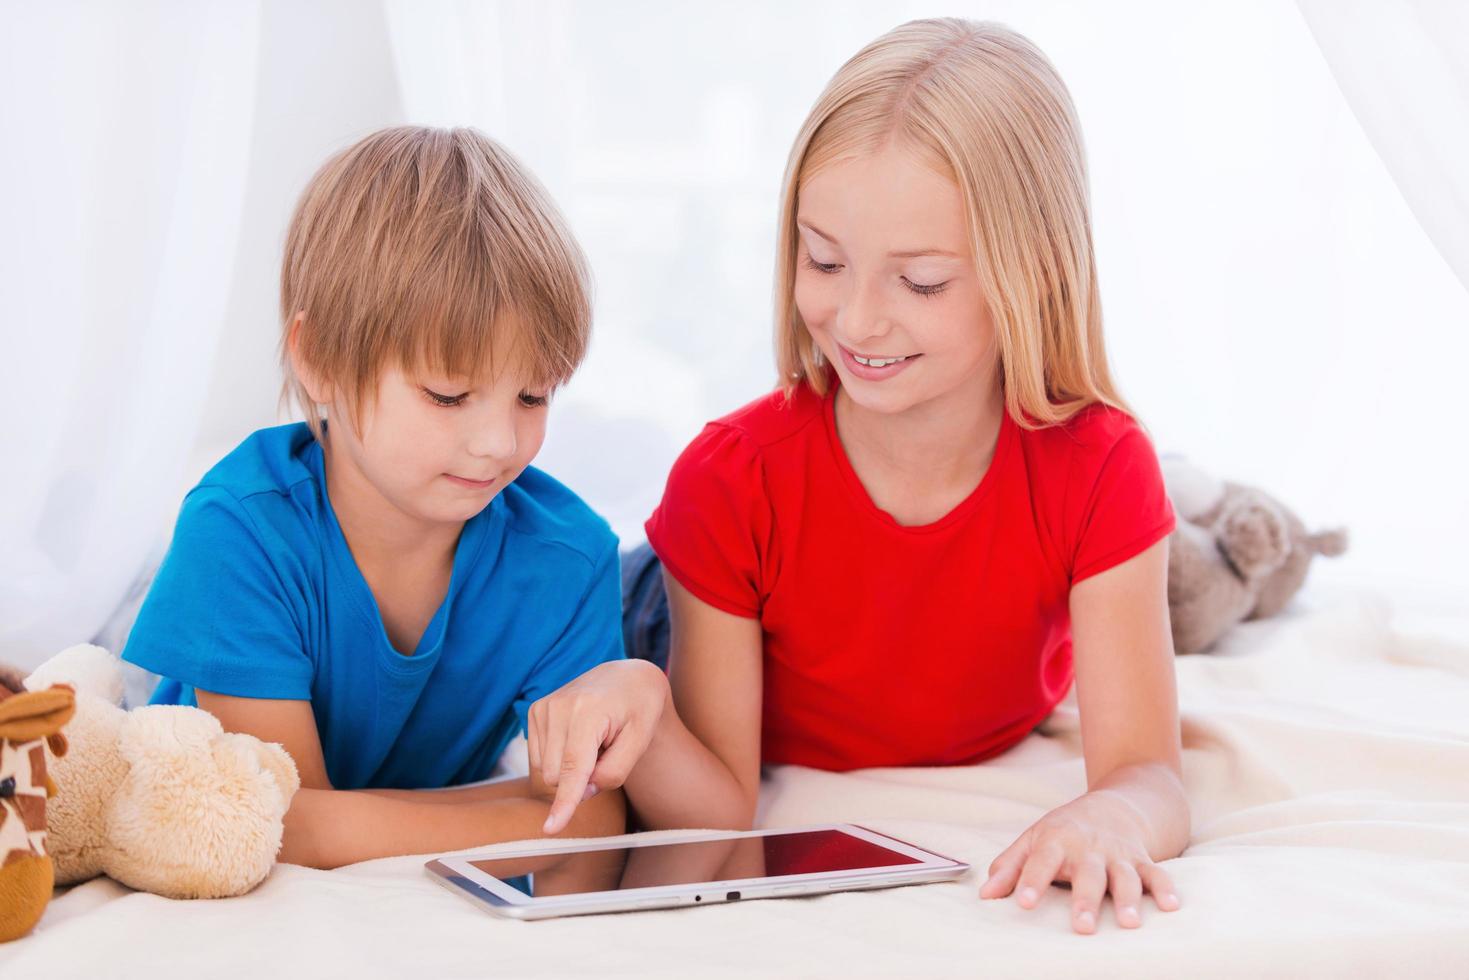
[466, 552]
[960, 510]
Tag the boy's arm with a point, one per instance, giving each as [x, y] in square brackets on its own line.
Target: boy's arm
[330, 828]
[291, 724]
[327, 828]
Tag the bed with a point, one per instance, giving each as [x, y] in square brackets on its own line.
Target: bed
[1326, 758]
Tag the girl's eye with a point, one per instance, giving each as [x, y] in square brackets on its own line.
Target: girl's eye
[923, 290]
[824, 267]
[446, 401]
[533, 401]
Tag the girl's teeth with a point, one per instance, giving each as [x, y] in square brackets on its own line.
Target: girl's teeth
[878, 361]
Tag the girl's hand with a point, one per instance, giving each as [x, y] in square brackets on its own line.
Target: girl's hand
[1096, 843]
[587, 736]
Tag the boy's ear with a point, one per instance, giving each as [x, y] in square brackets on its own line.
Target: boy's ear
[317, 389]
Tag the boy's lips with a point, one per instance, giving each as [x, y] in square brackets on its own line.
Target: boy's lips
[472, 484]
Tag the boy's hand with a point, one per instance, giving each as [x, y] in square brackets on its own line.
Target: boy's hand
[587, 736]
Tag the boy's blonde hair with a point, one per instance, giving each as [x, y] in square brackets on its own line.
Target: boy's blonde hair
[429, 249]
[984, 107]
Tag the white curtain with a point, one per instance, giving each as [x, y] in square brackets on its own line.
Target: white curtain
[1403, 66]
[121, 186]
[1254, 249]
[1268, 292]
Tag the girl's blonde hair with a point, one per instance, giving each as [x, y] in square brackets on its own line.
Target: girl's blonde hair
[985, 107]
[429, 248]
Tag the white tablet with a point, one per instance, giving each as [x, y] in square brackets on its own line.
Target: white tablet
[539, 882]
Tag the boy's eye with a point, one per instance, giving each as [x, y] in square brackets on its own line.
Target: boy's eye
[923, 290]
[825, 267]
[533, 401]
[446, 401]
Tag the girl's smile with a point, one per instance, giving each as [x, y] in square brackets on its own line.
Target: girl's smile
[886, 285]
[875, 367]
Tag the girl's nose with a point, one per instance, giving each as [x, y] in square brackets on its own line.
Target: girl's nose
[863, 316]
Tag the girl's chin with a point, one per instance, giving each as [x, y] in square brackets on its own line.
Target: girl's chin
[886, 401]
[896, 399]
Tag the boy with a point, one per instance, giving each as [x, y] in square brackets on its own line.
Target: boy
[387, 588]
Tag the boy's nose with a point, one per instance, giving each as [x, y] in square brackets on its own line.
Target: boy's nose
[495, 440]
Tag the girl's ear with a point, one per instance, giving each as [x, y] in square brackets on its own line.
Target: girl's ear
[319, 390]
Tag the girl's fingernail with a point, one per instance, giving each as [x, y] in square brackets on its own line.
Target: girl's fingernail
[591, 791]
[1084, 918]
[1172, 899]
[1128, 913]
[1028, 895]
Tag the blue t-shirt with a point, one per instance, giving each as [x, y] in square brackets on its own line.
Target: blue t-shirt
[259, 597]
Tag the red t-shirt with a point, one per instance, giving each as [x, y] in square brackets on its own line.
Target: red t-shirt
[888, 645]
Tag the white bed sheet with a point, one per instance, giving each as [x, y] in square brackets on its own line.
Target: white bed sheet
[1326, 757]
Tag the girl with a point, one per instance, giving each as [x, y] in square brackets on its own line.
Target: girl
[905, 555]
[387, 590]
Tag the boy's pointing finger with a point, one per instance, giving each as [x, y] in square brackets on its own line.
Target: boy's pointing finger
[573, 787]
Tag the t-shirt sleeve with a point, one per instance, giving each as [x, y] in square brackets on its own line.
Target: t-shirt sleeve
[1120, 507]
[712, 531]
[593, 636]
[218, 615]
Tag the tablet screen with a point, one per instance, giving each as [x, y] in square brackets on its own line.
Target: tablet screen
[676, 863]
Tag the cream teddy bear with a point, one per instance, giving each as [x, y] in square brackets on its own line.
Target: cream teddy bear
[1236, 554]
[160, 798]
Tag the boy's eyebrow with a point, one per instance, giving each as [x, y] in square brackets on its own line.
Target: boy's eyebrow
[443, 380]
[905, 254]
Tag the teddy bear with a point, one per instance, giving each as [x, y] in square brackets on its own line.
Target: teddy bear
[1236, 554]
[30, 721]
[159, 798]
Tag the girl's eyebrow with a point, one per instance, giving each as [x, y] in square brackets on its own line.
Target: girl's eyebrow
[913, 253]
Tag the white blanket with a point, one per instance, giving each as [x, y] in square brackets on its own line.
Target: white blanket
[1326, 754]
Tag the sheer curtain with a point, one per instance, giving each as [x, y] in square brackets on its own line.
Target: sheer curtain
[121, 189]
[154, 152]
[661, 132]
[1274, 308]
[1403, 65]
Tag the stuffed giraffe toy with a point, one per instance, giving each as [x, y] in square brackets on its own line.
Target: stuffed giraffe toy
[29, 722]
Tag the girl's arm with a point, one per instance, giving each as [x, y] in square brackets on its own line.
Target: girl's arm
[1127, 695]
[1134, 812]
[327, 828]
[702, 768]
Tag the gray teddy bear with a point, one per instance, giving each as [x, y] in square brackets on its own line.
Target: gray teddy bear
[1237, 554]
